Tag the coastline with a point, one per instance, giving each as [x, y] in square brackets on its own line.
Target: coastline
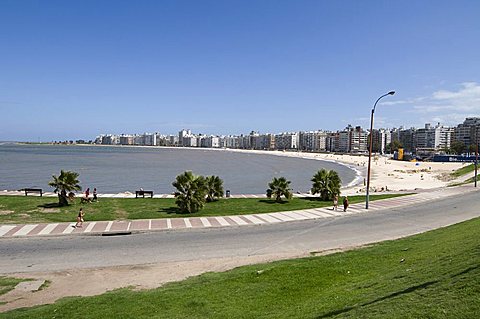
[386, 173]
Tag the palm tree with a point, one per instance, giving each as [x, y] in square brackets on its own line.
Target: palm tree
[191, 191]
[67, 181]
[214, 187]
[326, 183]
[279, 187]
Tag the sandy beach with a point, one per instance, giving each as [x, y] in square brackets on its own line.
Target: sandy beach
[386, 174]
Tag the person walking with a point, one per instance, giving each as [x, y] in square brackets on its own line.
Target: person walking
[87, 193]
[345, 203]
[94, 194]
[79, 219]
[335, 202]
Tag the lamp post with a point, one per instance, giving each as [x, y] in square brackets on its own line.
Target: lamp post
[370, 146]
[476, 162]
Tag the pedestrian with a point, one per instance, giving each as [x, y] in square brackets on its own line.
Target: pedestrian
[345, 203]
[87, 193]
[335, 202]
[79, 219]
[94, 194]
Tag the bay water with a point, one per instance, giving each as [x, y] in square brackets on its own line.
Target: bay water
[114, 169]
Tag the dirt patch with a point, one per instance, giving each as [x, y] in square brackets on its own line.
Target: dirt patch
[6, 212]
[121, 214]
[445, 177]
[90, 282]
[49, 210]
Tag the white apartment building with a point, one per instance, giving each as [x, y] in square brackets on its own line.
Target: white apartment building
[352, 140]
[313, 141]
[286, 141]
[435, 138]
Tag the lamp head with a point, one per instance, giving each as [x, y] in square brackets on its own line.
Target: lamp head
[391, 93]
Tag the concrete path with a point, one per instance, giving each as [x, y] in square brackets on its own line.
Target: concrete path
[145, 225]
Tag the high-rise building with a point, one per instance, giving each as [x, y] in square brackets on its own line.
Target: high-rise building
[313, 141]
[468, 132]
[286, 141]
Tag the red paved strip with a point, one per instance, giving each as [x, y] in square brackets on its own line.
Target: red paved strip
[37, 229]
[13, 230]
[214, 222]
[246, 220]
[139, 225]
[196, 222]
[159, 224]
[78, 230]
[119, 226]
[59, 229]
[178, 223]
[99, 227]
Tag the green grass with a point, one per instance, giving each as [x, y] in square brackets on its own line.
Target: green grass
[467, 181]
[463, 170]
[7, 284]
[439, 277]
[23, 209]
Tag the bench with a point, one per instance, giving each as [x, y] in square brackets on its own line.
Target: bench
[33, 190]
[85, 200]
[143, 193]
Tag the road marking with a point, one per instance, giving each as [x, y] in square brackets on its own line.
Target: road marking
[90, 227]
[5, 229]
[307, 214]
[169, 223]
[294, 215]
[282, 216]
[238, 220]
[269, 218]
[109, 225]
[323, 212]
[357, 210]
[319, 213]
[69, 228]
[149, 224]
[187, 223]
[222, 221]
[24, 230]
[254, 219]
[205, 222]
[336, 213]
[48, 229]
[129, 224]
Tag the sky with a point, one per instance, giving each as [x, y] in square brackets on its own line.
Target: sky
[77, 69]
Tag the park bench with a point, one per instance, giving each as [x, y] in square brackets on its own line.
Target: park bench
[143, 193]
[33, 190]
[85, 200]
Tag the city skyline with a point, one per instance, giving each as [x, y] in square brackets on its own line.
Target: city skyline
[71, 70]
[424, 141]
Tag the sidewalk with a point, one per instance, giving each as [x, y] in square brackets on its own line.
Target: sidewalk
[145, 225]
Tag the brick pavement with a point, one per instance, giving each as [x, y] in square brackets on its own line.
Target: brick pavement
[119, 226]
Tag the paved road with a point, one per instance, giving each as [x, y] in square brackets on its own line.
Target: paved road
[60, 253]
[142, 225]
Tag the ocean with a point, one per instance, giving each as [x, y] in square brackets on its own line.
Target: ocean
[114, 169]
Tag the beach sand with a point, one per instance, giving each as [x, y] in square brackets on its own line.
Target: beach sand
[386, 173]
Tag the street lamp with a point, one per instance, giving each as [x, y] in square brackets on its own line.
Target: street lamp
[476, 161]
[370, 147]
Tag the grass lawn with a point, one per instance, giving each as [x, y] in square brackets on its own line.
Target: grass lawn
[431, 275]
[467, 181]
[7, 284]
[22, 209]
[463, 170]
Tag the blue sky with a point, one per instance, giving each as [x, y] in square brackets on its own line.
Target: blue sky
[73, 70]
